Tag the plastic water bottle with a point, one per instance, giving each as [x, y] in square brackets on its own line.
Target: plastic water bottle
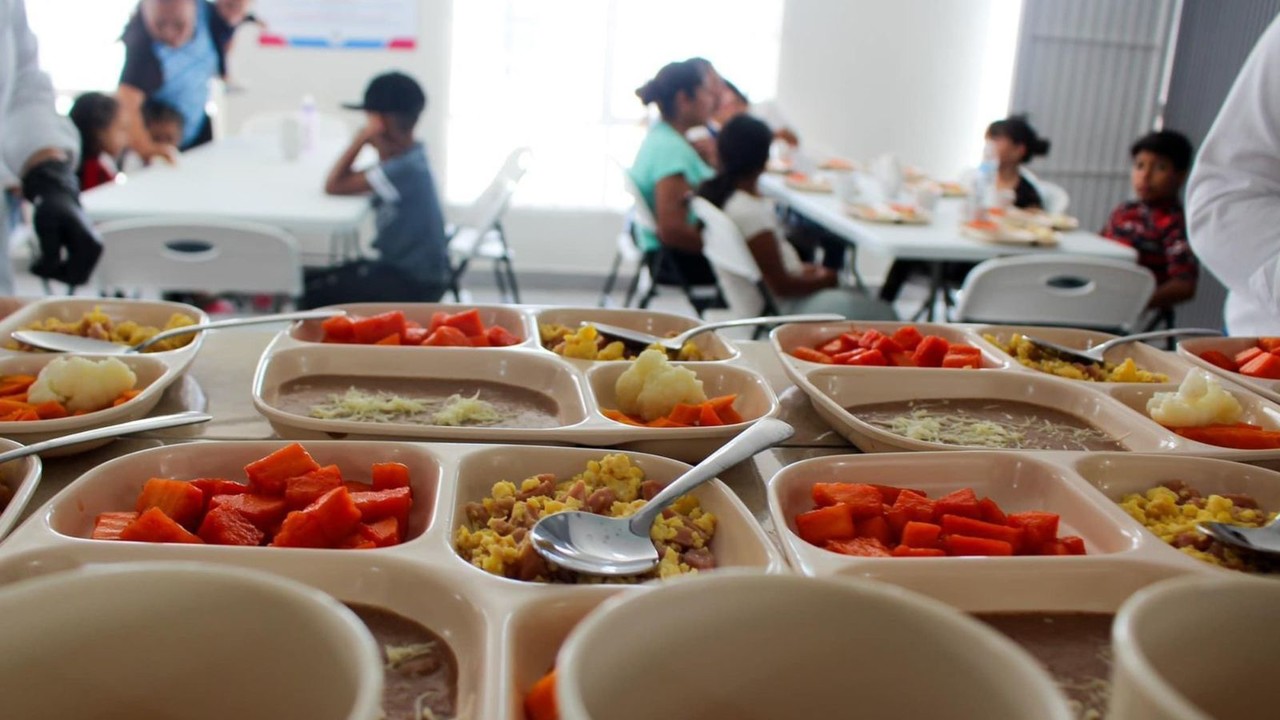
[310, 123]
[983, 193]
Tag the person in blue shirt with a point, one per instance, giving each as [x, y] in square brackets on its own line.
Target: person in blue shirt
[413, 260]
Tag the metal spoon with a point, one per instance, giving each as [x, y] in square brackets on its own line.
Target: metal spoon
[1265, 539]
[599, 545]
[109, 431]
[62, 342]
[1093, 355]
[678, 341]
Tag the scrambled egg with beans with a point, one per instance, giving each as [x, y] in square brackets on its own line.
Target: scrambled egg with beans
[496, 538]
[99, 325]
[588, 343]
[1173, 510]
[1033, 357]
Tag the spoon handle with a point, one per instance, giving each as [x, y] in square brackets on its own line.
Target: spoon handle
[747, 322]
[110, 431]
[765, 433]
[237, 322]
[1156, 335]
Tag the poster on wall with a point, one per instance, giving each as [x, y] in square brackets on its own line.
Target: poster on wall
[339, 24]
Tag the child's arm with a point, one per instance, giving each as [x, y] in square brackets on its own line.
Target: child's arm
[764, 248]
[344, 179]
[1182, 267]
[131, 99]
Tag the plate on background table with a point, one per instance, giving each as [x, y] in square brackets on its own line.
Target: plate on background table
[893, 213]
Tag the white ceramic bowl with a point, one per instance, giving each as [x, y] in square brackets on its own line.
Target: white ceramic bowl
[201, 642]
[751, 646]
[1197, 649]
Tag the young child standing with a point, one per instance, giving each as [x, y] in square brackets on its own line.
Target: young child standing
[103, 138]
[413, 261]
[1153, 224]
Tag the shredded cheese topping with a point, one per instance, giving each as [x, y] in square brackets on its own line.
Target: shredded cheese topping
[1011, 432]
[383, 407]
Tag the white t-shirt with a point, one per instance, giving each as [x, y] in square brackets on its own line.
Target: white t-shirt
[753, 215]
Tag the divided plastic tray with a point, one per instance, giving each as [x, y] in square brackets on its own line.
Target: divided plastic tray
[1118, 409]
[579, 387]
[1191, 349]
[504, 633]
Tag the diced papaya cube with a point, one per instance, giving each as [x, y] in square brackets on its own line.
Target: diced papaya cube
[907, 337]
[51, 410]
[212, 487]
[862, 357]
[109, 525]
[869, 338]
[383, 533]
[835, 346]
[1270, 344]
[1242, 357]
[356, 541]
[1265, 365]
[963, 545]
[1054, 547]
[356, 487]
[389, 475]
[468, 321]
[970, 527]
[961, 360]
[890, 493]
[389, 340]
[931, 351]
[414, 336]
[864, 501]
[154, 526]
[907, 551]
[1221, 359]
[961, 502]
[501, 337]
[268, 475]
[303, 490]
[909, 506]
[540, 703]
[322, 524]
[990, 511]
[811, 355]
[887, 346]
[338, 329]
[876, 528]
[263, 511]
[224, 526]
[478, 340]
[902, 359]
[1074, 544]
[829, 523]
[859, 547]
[1041, 527]
[921, 535]
[437, 321]
[447, 336]
[379, 504]
[180, 500]
[372, 329]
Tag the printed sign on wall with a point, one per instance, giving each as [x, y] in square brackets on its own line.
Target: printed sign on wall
[339, 24]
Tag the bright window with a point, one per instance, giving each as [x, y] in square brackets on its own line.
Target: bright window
[80, 42]
[560, 78]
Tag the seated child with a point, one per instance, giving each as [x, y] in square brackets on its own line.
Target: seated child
[413, 260]
[103, 138]
[163, 122]
[1154, 224]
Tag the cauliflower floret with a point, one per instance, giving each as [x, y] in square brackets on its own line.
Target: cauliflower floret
[82, 384]
[652, 387]
[1199, 401]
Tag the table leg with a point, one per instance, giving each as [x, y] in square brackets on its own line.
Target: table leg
[937, 288]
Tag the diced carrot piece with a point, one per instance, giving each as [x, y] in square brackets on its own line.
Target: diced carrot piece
[707, 416]
[180, 500]
[224, 526]
[876, 528]
[383, 533]
[263, 511]
[1041, 527]
[970, 527]
[372, 329]
[389, 475]
[389, 340]
[447, 336]
[9, 406]
[27, 415]
[1244, 356]
[907, 551]
[1221, 359]
[859, 547]
[931, 351]
[1270, 344]
[665, 423]
[723, 405]
[963, 545]
[1240, 437]
[685, 414]
[125, 397]
[540, 703]
[468, 321]
[921, 535]
[338, 329]
[154, 526]
[828, 523]
[1265, 365]
[501, 337]
[303, 490]
[619, 416]
[811, 355]
[51, 410]
[1074, 544]
[323, 523]
[379, 504]
[109, 525]
[268, 475]
[907, 337]
[863, 501]
[961, 502]
[15, 384]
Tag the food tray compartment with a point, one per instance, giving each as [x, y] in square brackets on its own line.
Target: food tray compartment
[145, 312]
[713, 346]
[787, 338]
[19, 478]
[548, 376]
[1145, 356]
[1116, 475]
[1190, 350]
[834, 390]
[1019, 482]
[114, 485]
[515, 320]
[1257, 411]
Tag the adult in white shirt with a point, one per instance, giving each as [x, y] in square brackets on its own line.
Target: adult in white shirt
[1233, 198]
[39, 147]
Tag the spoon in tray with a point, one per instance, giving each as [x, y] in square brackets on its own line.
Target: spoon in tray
[107, 431]
[1093, 355]
[1265, 539]
[62, 342]
[599, 545]
[675, 343]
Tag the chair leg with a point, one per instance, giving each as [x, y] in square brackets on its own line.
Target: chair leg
[455, 279]
[610, 280]
[499, 280]
[511, 280]
[633, 287]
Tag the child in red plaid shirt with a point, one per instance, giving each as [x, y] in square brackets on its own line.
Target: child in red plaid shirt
[1154, 224]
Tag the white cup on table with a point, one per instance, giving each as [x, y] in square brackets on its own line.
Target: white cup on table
[291, 137]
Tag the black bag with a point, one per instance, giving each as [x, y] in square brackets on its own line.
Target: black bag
[365, 281]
